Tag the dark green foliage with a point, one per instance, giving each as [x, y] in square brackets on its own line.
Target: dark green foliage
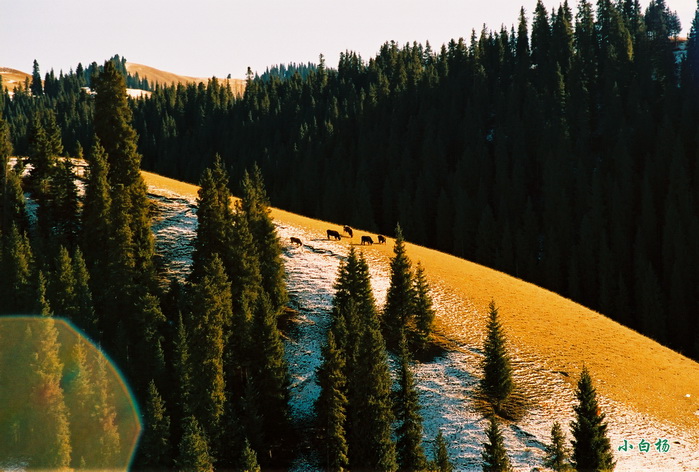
[37, 87]
[494, 455]
[411, 455]
[399, 308]
[441, 461]
[497, 382]
[424, 313]
[248, 461]
[331, 406]
[591, 446]
[79, 393]
[194, 453]
[557, 452]
[155, 450]
[17, 262]
[254, 205]
[210, 316]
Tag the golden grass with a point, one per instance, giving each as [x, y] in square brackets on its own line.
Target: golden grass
[11, 78]
[168, 78]
[626, 366]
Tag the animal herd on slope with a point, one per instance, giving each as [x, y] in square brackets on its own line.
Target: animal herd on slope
[333, 234]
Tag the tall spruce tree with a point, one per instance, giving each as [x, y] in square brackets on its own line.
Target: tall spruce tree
[210, 315]
[79, 394]
[424, 313]
[411, 455]
[155, 450]
[254, 204]
[194, 455]
[331, 406]
[399, 307]
[494, 455]
[591, 446]
[497, 382]
[557, 453]
[441, 461]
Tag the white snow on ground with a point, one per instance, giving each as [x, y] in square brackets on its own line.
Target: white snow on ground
[447, 383]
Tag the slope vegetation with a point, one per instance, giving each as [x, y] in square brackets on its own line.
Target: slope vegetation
[557, 333]
[11, 78]
[166, 78]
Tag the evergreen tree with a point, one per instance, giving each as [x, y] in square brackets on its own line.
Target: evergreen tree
[424, 313]
[269, 372]
[248, 462]
[494, 455]
[63, 205]
[106, 447]
[209, 318]
[62, 284]
[497, 382]
[155, 450]
[254, 204]
[441, 455]
[194, 453]
[17, 262]
[82, 310]
[331, 406]
[37, 87]
[371, 446]
[591, 446]
[411, 455]
[399, 308]
[556, 453]
[49, 429]
[79, 394]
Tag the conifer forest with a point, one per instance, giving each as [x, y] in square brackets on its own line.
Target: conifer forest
[564, 152]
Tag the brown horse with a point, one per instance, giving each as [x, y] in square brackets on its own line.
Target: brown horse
[382, 239]
[367, 240]
[348, 230]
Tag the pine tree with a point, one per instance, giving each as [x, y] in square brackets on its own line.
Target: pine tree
[441, 456]
[209, 318]
[371, 446]
[399, 308]
[556, 453]
[63, 205]
[591, 446]
[494, 455]
[254, 204]
[411, 455]
[248, 462]
[83, 311]
[424, 313]
[49, 439]
[497, 381]
[106, 446]
[269, 372]
[155, 450]
[79, 395]
[96, 221]
[62, 284]
[37, 87]
[182, 367]
[331, 406]
[194, 453]
[17, 261]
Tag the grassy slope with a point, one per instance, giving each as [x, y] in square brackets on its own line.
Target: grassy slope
[626, 366]
[11, 78]
[167, 78]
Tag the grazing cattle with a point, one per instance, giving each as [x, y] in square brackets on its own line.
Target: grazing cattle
[296, 241]
[334, 234]
[367, 240]
[348, 230]
[382, 239]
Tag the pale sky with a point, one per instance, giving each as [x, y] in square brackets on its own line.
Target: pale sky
[203, 38]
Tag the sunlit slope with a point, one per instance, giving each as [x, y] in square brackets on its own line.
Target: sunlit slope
[11, 78]
[560, 334]
[168, 78]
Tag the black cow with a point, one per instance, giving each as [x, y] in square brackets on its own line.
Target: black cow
[348, 230]
[367, 240]
[334, 234]
[382, 239]
[296, 241]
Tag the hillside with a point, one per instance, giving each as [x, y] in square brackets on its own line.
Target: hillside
[647, 390]
[167, 78]
[12, 77]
